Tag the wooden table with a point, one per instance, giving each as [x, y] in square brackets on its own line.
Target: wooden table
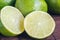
[24, 36]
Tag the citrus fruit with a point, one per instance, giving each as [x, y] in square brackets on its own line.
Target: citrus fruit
[39, 24]
[54, 5]
[27, 6]
[12, 21]
[6, 2]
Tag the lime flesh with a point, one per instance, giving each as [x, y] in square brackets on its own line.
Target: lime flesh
[39, 24]
[11, 23]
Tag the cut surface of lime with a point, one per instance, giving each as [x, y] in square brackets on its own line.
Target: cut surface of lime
[39, 24]
[12, 20]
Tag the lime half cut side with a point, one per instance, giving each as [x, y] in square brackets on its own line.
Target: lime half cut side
[12, 21]
[39, 24]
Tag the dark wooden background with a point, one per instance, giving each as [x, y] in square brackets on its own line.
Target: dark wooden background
[24, 36]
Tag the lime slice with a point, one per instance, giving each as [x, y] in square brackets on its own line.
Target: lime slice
[12, 21]
[39, 24]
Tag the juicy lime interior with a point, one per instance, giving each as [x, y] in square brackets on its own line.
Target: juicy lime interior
[12, 19]
[39, 24]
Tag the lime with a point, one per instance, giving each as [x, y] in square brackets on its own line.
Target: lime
[12, 21]
[39, 24]
[54, 5]
[27, 6]
[6, 2]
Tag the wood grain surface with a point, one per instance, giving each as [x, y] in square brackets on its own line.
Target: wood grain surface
[24, 36]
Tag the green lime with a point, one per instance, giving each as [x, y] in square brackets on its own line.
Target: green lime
[54, 5]
[27, 6]
[39, 24]
[6, 2]
[12, 21]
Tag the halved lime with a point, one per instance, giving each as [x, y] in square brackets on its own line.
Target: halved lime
[12, 21]
[39, 24]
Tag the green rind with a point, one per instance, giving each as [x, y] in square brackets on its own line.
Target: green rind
[6, 3]
[27, 6]
[54, 5]
[4, 31]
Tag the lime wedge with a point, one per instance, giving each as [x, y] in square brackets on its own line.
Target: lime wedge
[39, 24]
[12, 21]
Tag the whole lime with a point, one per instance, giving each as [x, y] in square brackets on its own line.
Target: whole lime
[6, 2]
[27, 6]
[54, 5]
